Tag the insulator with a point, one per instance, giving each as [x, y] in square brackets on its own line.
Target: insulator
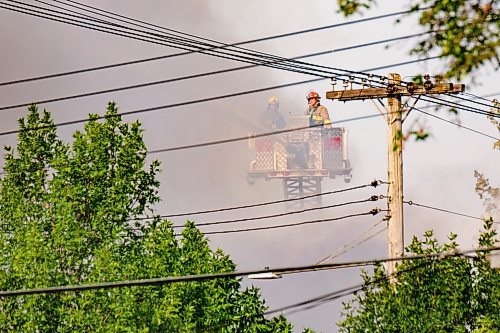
[345, 84]
[334, 82]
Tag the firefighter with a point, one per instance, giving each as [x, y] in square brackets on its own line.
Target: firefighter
[318, 114]
[272, 118]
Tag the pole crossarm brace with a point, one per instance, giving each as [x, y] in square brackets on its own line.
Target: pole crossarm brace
[395, 90]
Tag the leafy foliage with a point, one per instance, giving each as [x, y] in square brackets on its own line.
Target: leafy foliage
[489, 194]
[495, 110]
[452, 294]
[69, 216]
[462, 31]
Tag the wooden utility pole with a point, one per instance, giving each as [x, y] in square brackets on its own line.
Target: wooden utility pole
[393, 92]
[395, 226]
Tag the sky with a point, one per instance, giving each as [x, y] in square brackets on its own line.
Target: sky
[437, 172]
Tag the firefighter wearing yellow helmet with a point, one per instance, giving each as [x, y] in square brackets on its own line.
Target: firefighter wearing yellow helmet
[318, 114]
[272, 118]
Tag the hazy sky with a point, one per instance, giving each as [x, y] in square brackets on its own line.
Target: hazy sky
[437, 173]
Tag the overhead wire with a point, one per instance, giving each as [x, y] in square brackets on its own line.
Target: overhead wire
[217, 142]
[284, 59]
[244, 56]
[458, 125]
[139, 61]
[98, 12]
[74, 122]
[288, 213]
[161, 40]
[456, 105]
[197, 101]
[411, 203]
[349, 245]
[224, 45]
[254, 136]
[206, 277]
[483, 97]
[373, 212]
[235, 139]
[146, 84]
[331, 296]
[258, 39]
[267, 38]
[374, 183]
[491, 105]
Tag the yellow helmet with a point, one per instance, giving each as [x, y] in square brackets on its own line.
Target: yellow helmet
[273, 100]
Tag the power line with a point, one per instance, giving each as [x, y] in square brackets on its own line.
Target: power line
[155, 39]
[253, 53]
[203, 224]
[173, 42]
[374, 183]
[325, 298]
[456, 105]
[470, 100]
[139, 61]
[153, 83]
[374, 212]
[74, 122]
[209, 143]
[264, 38]
[114, 15]
[230, 140]
[491, 105]
[411, 203]
[483, 97]
[206, 277]
[218, 142]
[346, 246]
[461, 126]
[224, 45]
[208, 99]
[273, 58]
[146, 84]
[322, 299]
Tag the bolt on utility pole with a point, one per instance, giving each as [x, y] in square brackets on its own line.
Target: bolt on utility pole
[393, 91]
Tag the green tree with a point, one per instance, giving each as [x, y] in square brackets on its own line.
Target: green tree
[464, 32]
[452, 294]
[68, 216]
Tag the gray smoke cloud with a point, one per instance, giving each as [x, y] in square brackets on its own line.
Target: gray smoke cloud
[438, 172]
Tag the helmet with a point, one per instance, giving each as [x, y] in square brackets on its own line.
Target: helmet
[313, 94]
[273, 100]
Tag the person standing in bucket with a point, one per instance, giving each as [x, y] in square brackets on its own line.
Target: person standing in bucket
[272, 119]
[318, 114]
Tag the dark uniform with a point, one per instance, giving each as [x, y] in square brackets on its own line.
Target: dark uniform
[272, 119]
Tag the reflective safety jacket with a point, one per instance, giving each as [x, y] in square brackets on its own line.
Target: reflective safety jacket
[318, 115]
